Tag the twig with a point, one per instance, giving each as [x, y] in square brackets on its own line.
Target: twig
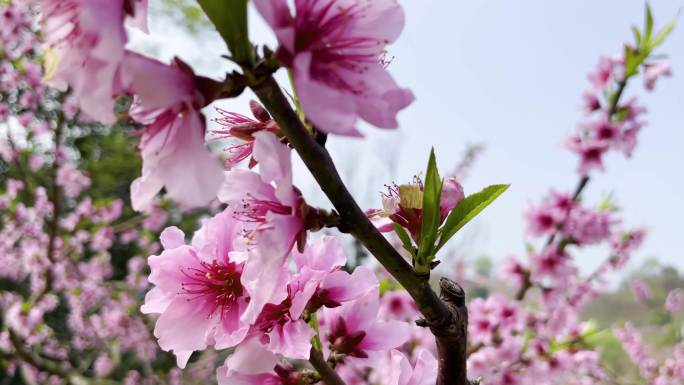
[328, 375]
[35, 360]
[318, 161]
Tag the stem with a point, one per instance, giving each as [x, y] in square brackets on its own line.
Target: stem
[43, 364]
[328, 375]
[443, 322]
[55, 198]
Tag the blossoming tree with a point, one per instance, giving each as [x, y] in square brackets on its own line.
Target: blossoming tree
[254, 288]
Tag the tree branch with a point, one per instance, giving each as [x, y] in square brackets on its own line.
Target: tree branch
[328, 375]
[452, 336]
[55, 199]
[35, 360]
[437, 313]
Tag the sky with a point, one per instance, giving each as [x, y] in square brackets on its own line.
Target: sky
[507, 74]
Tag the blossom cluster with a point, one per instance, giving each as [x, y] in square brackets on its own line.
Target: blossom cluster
[671, 371]
[72, 267]
[515, 343]
[252, 294]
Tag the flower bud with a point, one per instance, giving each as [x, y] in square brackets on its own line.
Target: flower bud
[410, 196]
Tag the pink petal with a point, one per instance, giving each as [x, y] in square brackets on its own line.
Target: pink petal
[383, 224]
[262, 274]
[425, 369]
[323, 254]
[172, 237]
[292, 340]
[232, 331]
[156, 301]
[166, 268]
[182, 357]
[399, 369]
[361, 313]
[330, 110]
[386, 335]
[143, 191]
[382, 99]
[216, 238]
[275, 165]
[139, 19]
[185, 325]
[156, 85]
[307, 284]
[251, 357]
[179, 159]
[382, 20]
[277, 15]
[238, 183]
[344, 287]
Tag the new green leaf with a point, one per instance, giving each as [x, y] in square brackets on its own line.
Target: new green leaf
[404, 237]
[468, 209]
[431, 216]
[230, 19]
[648, 29]
[660, 37]
[637, 35]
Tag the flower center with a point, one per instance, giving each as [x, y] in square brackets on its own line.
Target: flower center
[346, 342]
[339, 54]
[215, 282]
[255, 210]
[273, 315]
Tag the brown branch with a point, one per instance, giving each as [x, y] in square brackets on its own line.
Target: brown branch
[438, 314]
[55, 199]
[452, 335]
[35, 360]
[328, 375]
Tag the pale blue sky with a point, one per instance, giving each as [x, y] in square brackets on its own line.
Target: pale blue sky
[508, 74]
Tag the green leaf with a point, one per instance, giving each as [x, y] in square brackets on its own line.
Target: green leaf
[633, 59]
[404, 237]
[664, 32]
[648, 29]
[230, 19]
[431, 217]
[637, 35]
[467, 209]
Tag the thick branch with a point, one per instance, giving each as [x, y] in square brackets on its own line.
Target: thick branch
[437, 313]
[323, 169]
[452, 335]
[328, 375]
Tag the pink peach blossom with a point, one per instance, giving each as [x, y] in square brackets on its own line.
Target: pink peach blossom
[353, 328]
[335, 49]
[273, 214]
[172, 143]
[87, 39]
[200, 290]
